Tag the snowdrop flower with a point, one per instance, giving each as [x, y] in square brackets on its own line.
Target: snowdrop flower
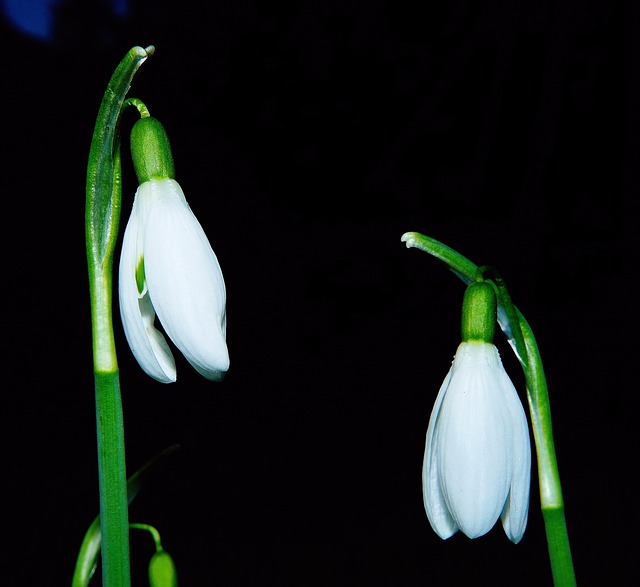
[477, 461]
[168, 267]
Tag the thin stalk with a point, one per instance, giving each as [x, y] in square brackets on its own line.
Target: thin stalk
[114, 516]
[154, 533]
[551, 500]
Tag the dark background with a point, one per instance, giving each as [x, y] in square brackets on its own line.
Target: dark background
[308, 137]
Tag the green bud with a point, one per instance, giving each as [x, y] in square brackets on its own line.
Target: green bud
[479, 309]
[151, 151]
[162, 570]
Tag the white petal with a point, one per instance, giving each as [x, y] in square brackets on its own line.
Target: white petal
[184, 278]
[434, 502]
[516, 509]
[147, 344]
[472, 440]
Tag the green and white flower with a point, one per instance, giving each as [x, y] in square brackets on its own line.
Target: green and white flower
[168, 268]
[477, 461]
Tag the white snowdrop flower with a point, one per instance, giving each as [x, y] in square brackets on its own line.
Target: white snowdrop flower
[168, 268]
[477, 461]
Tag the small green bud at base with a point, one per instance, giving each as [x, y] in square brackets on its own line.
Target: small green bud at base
[479, 309]
[162, 570]
[151, 151]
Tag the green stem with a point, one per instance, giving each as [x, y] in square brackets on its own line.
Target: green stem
[154, 533]
[459, 264]
[551, 500]
[523, 342]
[102, 216]
[113, 481]
[139, 105]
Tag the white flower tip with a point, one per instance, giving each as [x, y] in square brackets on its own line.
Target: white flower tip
[513, 528]
[408, 238]
[207, 352]
[163, 371]
[213, 371]
[443, 525]
[211, 375]
[164, 378]
[515, 538]
[516, 509]
[160, 363]
[476, 528]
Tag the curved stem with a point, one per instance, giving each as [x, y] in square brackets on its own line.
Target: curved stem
[139, 105]
[459, 264]
[154, 533]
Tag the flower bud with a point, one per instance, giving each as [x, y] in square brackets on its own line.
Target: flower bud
[162, 570]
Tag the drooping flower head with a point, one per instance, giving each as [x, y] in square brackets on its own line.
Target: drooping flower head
[477, 461]
[168, 268]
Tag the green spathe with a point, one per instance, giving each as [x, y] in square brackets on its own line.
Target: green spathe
[151, 151]
[479, 313]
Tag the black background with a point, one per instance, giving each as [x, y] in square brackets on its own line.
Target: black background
[308, 137]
